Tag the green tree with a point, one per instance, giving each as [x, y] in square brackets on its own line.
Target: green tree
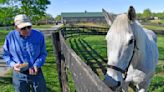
[160, 15]
[35, 9]
[58, 18]
[7, 14]
[2, 1]
[46, 19]
[147, 13]
[139, 16]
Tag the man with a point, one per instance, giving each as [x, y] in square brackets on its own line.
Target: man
[25, 51]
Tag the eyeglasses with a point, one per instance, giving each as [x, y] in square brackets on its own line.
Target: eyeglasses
[25, 28]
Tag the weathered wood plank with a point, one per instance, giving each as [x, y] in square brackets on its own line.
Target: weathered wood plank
[85, 79]
[60, 65]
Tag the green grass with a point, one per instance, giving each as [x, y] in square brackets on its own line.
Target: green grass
[6, 83]
[156, 21]
[92, 24]
[86, 46]
[157, 84]
[151, 27]
[92, 50]
[42, 26]
[3, 34]
[161, 46]
[49, 71]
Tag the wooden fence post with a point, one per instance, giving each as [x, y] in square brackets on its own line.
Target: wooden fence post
[57, 51]
[60, 63]
[84, 78]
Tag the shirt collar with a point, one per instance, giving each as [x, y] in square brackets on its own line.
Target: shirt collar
[18, 34]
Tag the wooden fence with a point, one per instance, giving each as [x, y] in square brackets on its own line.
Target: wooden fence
[84, 78]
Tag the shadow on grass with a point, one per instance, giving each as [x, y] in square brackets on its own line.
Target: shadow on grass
[5, 80]
[88, 54]
[161, 53]
[94, 51]
[81, 52]
[98, 59]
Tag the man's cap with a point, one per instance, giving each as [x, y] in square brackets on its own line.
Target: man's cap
[22, 20]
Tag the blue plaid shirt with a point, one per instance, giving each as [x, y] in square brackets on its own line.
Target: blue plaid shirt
[30, 49]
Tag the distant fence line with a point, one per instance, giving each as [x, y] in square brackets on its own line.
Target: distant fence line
[86, 30]
[7, 28]
[161, 32]
[96, 30]
[84, 78]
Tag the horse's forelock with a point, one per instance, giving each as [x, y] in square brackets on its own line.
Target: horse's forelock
[121, 24]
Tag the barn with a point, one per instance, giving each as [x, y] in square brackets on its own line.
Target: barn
[82, 17]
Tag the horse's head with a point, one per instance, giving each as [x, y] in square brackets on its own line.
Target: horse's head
[120, 46]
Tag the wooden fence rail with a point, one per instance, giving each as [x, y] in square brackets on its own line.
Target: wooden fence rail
[60, 64]
[84, 78]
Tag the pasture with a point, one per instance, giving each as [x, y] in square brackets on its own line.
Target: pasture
[92, 49]
[152, 27]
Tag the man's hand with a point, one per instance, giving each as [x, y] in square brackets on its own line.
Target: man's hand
[36, 69]
[16, 67]
[33, 71]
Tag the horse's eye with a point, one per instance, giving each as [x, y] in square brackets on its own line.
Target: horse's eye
[130, 41]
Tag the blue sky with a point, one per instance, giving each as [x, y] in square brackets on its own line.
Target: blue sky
[115, 6]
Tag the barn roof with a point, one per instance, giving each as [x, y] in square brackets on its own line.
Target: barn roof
[82, 14]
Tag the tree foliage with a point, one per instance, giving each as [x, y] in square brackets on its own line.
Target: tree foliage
[46, 19]
[35, 9]
[147, 13]
[58, 18]
[2, 1]
[139, 16]
[7, 14]
[159, 15]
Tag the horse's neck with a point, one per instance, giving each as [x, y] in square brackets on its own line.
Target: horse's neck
[141, 39]
[147, 53]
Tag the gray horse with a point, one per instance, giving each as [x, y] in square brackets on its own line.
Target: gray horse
[132, 53]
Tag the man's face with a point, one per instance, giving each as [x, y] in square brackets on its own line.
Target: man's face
[24, 31]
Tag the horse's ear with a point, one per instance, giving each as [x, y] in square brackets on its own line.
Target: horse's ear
[108, 17]
[131, 13]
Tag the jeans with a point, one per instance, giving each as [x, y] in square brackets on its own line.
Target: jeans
[23, 82]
